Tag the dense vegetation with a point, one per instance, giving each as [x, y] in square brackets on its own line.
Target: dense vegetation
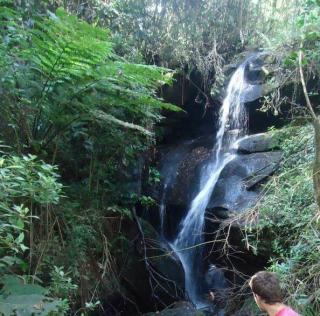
[80, 87]
[289, 210]
[288, 213]
[67, 99]
[287, 229]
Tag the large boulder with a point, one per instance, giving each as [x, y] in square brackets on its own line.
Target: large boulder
[259, 166]
[163, 260]
[256, 143]
[150, 273]
[188, 173]
[254, 73]
[180, 170]
[234, 189]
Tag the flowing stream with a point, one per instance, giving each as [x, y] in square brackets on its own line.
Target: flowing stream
[232, 126]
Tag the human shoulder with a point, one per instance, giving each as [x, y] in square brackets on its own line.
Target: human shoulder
[287, 311]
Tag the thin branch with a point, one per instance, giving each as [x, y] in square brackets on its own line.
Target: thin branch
[304, 87]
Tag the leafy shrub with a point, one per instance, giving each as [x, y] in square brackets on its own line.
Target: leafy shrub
[19, 298]
[70, 100]
[25, 183]
[287, 221]
[68, 73]
[26, 179]
[61, 284]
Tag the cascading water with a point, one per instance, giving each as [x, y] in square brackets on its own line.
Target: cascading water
[232, 126]
[169, 174]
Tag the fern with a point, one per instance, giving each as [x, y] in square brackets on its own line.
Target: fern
[71, 71]
[69, 99]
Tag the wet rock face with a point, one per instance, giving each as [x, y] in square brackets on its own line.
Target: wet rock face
[256, 143]
[258, 72]
[260, 166]
[235, 189]
[180, 168]
[187, 178]
[167, 270]
[197, 118]
[254, 77]
[216, 284]
[215, 279]
[150, 274]
[164, 262]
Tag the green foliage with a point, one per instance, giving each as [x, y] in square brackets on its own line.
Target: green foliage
[308, 23]
[19, 298]
[154, 176]
[25, 183]
[305, 36]
[147, 201]
[69, 73]
[179, 34]
[13, 223]
[26, 179]
[300, 32]
[287, 222]
[61, 284]
[287, 228]
[68, 98]
[277, 24]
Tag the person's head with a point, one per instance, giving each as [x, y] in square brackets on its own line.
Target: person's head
[266, 289]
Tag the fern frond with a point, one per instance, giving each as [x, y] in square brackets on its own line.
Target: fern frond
[102, 116]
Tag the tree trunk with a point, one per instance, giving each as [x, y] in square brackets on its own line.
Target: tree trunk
[316, 165]
[316, 126]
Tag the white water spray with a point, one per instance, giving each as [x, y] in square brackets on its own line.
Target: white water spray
[232, 126]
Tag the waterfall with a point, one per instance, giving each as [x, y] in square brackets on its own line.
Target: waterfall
[169, 173]
[232, 126]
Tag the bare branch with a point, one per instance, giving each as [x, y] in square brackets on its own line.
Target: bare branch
[304, 87]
